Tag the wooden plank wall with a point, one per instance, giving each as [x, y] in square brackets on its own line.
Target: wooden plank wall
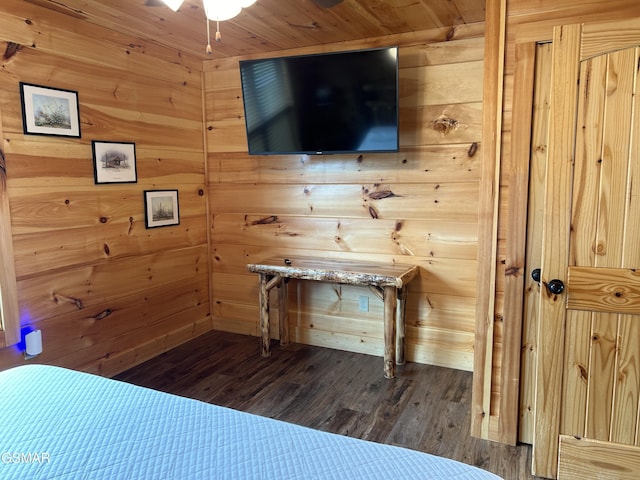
[106, 292]
[418, 206]
[529, 25]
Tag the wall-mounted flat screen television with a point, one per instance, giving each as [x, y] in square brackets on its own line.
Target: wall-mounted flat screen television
[340, 102]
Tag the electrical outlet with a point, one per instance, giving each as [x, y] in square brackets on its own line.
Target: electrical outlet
[363, 304]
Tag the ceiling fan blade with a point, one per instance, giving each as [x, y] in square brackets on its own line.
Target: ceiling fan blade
[153, 3]
[326, 3]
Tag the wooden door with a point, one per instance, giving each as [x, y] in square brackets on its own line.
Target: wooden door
[588, 364]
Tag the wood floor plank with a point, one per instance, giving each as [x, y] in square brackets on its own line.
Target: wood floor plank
[425, 408]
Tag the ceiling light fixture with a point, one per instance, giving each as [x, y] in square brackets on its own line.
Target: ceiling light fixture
[173, 4]
[216, 11]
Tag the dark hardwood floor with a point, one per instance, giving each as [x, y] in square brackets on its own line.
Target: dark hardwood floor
[425, 408]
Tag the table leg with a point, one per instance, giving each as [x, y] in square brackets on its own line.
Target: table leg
[283, 310]
[264, 316]
[400, 325]
[390, 305]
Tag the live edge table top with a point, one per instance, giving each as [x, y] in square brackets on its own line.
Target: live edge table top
[389, 279]
[337, 271]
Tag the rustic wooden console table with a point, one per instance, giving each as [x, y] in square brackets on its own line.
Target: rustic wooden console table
[389, 282]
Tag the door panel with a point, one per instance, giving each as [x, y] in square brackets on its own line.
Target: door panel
[591, 459]
[576, 373]
[588, 337]
[625, 407]
[613, 290]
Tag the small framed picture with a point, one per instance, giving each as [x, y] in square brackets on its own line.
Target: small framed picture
[49, 111]
[114, 162]
[161, 208]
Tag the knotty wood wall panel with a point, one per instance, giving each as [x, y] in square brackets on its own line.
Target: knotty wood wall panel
[416, 206]
[106, 292]
[445, 163]
[49, 31]
[107, 91]
[82, 329]
[61, 163]
[447, 201]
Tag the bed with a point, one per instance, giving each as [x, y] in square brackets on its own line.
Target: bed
[62, 424]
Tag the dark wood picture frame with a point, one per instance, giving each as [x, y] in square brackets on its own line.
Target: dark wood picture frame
[114, 162]
[161, 208]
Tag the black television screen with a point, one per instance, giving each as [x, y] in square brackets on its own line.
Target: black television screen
[322, 103]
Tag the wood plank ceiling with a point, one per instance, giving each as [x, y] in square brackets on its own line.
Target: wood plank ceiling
[269, 25]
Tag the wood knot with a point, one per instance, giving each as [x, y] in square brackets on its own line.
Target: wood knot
[583, 373]
[59, 298]
[380, 194]
[11, 50]
[266, 220]
[444, 124]
[512, 271]
[473, 149]
[450, 34]
[104, 314]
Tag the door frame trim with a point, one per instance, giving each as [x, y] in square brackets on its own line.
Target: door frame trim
[493, 90]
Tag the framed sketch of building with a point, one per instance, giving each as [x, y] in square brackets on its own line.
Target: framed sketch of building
[114, 162]
[161, 208]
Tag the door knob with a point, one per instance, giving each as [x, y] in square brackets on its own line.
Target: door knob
[555, 286]
[535, 275]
